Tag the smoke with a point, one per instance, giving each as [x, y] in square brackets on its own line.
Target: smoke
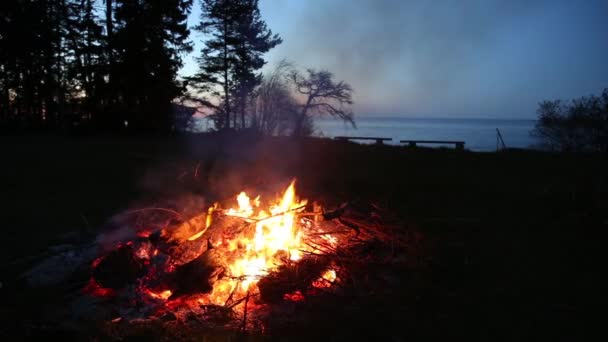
[417, 54]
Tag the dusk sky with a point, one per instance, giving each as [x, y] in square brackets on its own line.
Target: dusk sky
[461, 58]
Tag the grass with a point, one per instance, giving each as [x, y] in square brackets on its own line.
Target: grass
[516, 235]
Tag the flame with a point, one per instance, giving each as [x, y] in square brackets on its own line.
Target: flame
[276, 236]
[164, 295]
[271, 236]
[207, 224]
[326, 279]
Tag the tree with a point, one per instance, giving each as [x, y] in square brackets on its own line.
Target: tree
[580, 125]
[254, 40]
[109, 31]
[85, 58]
[58, 66]
[237, 40]
[322, 95]
[274, 107]
[149, 38]
[31, 40]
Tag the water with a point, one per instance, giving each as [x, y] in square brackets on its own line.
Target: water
[478, 134]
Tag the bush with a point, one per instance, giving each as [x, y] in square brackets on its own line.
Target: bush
[580, 125]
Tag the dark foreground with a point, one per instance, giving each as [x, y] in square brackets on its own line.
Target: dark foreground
[514, 247]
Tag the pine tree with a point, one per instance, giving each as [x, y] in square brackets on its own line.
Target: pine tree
[237, 39]
[255, 39]
[85, 59]
[58, 66]
[32, 91]
[149, 39]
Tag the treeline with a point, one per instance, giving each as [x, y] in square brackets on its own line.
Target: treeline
[112, 66]
[70, 62]
[579, 125]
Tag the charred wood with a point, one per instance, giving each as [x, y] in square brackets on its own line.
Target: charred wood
[197, 276]
[290, 278]
[118, 269]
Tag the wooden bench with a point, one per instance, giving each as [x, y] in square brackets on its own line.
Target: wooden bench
[377, 139]
[412, 143]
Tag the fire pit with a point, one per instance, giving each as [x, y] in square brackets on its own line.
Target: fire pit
[244, 265]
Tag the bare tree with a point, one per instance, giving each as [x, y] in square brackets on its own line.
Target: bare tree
[274, 107]
[578, 125]
[321, 95]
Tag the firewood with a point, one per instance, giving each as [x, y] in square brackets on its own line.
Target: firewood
[290, 278]
[197, 276]
[118, 269]
[337, 213]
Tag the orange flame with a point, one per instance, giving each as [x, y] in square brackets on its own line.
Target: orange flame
[164, 295]
[276, 235]
[326, 280]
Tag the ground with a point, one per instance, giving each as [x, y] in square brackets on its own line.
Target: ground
[516, 235]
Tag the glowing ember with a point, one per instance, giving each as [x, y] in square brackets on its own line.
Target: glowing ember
[164, 295]
[94, 289]
[294, 297]
[326, 280]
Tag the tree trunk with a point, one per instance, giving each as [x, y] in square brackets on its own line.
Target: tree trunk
[109, 29]
[243, 111]
[300, 119]
[226, 90]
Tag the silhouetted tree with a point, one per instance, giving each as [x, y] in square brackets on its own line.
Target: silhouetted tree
[148, 40]
[274, 107]
[322, 95]
[254, 40]
[579, 125]
[58, 65]
[85, 59]
[109, 21]
[32, 36]
[237, 39]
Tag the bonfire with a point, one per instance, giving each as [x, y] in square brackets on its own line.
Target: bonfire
[239, 263]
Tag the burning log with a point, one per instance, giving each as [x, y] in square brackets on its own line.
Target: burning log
[197, 276]
[118, 269]
[290, 278]
[337, 213]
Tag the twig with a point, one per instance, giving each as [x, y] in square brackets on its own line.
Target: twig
[245, 312]
[180, 216]
[282, 213]
[330, 248]
[151, 209]
[313, 253]
[239, 301]
[328, 251]
[196, 170]
[86, 222]
[265, 218]
[310, 213]
[349, 225]
[232, 292]
[330, 233]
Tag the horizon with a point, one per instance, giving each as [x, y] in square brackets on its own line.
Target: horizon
[489, 60]
[428, 117]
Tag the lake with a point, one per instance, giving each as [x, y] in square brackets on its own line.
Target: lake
[478, 134]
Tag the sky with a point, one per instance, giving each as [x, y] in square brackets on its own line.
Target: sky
[444, 58]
